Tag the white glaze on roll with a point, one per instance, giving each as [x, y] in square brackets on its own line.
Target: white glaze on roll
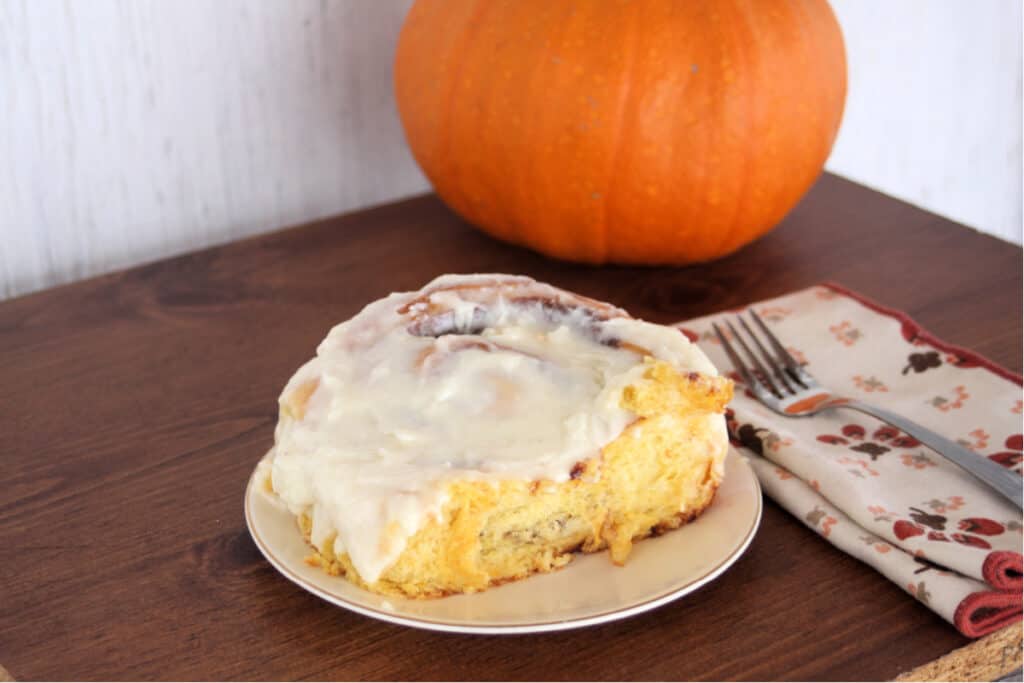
[523, 381]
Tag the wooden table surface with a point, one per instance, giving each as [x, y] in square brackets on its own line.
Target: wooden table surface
[135, 406]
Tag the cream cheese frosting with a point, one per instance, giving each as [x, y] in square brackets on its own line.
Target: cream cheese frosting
[482, 377]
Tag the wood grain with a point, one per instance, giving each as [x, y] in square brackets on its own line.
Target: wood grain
[135, 406]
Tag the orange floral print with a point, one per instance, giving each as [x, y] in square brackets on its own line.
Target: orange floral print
[869, 384]
[825, 294]
[826, 526]
[845, 333]
[946, 404]
[863, 464]
[774, 313]
[941, 505]
[977, 440]
[918, 461]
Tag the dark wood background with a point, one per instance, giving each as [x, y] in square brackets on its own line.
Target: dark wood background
[135, 405]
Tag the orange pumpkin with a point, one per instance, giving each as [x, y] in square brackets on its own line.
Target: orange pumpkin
[649, 131]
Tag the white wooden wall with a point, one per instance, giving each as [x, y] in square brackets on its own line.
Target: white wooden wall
[135, 129]
[933, 111]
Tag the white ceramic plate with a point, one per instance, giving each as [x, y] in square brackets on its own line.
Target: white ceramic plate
[591, 590]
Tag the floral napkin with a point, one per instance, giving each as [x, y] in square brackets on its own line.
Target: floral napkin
[871, 490]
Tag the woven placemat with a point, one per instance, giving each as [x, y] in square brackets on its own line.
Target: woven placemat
[986, 659]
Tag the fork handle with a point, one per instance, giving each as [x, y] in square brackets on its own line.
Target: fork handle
[1005, 481]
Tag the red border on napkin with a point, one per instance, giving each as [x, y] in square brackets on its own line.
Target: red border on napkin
[912, 331]
[983, 612]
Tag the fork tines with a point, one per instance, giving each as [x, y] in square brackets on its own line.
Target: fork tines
[785, 376]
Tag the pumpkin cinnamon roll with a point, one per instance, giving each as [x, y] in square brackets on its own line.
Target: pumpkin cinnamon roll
[487, 427]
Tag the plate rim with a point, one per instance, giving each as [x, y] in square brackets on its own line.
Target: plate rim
[485, 628]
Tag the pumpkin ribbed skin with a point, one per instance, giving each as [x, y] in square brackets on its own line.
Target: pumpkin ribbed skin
[647, 131]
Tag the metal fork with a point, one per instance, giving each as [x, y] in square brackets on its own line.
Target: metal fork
[783, 385]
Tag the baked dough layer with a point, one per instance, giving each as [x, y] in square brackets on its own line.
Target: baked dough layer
[661, 472]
